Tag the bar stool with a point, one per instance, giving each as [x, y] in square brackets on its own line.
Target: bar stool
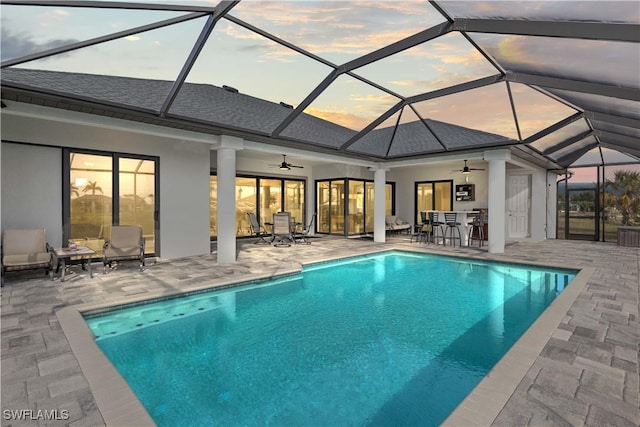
[419, 229]
[436, 224]
[451, 221]
[477, 226]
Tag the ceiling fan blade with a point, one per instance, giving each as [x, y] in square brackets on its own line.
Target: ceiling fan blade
[294, 166]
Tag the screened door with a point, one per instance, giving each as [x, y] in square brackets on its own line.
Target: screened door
[583, 221]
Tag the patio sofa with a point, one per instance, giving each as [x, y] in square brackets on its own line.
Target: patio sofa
[394, 224]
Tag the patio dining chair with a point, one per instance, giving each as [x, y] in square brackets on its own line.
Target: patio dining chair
[452, 224]
[126, 243]
[301, 236]
[476, 230]
[257, 230]
[423, 230]
[282, 231]
[436, 224]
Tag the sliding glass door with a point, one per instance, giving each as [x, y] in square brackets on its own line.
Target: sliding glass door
[137, 195]
[103, 189]
[433, 195]
[91, 199]
[263, 196]
[347, 199]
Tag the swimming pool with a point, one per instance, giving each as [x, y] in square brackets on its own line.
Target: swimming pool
[394, 338]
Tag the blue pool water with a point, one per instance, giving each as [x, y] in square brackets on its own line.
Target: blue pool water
[389, 339]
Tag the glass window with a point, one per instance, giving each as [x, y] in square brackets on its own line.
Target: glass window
[91, 192]
[433, 195]
[213, 205]
[92, 208]
[369, 202]
[424, 198]
[270, 199]
[323, 201]
[262, 196]
[294, 200]
[137, 196]
[337, 208]
[246, 194]
[356, 207]
[389, 199]
[333, 205]
[443, 199]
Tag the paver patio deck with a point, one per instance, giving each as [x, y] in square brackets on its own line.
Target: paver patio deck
[586, 374]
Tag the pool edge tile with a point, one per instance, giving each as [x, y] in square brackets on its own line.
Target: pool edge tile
[115, 400]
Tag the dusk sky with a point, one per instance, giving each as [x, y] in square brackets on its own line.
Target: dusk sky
[337, 31]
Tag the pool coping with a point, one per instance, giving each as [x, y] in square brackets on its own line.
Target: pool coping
[119, 405]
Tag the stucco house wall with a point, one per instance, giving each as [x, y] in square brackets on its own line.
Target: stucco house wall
[32, 175]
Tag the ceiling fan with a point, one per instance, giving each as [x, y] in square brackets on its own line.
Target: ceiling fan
[466, 169]
[284, 166]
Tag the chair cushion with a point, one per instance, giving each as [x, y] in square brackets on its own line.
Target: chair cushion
[129, 252]
[125, 236]
[19, 242]
[390, 219]
[400, 221]
[26, 259]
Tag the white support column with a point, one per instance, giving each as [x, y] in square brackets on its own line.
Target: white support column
[538, 210]
[226, 198]
[497, 198]
[552, 204]
[379, 205]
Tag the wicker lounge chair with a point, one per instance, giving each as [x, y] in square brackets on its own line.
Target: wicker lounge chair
[394, 224]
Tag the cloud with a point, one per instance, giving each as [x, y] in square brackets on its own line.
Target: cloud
[386, 98]
[132, 38]
[352, 28]
[341, 117]
[52, 18]
[17, 45]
